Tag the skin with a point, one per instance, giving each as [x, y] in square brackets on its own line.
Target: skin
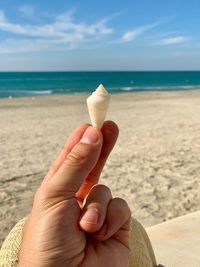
[74, 221]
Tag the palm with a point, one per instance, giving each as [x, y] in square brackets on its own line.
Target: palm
[87, 250]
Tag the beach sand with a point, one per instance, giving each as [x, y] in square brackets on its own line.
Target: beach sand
[155, 164]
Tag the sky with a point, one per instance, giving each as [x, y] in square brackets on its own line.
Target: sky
[99, 35]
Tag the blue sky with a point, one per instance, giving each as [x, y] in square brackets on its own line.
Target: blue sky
[99, 35]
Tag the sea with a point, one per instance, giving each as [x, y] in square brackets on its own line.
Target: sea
[29, 84]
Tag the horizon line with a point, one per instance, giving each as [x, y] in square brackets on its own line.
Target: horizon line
[128, 70]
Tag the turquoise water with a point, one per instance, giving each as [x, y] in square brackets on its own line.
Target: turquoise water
[15, 84]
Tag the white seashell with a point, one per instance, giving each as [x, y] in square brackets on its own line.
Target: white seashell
[98, 104]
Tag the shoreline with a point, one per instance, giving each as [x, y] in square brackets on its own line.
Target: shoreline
[146, 94]
[154, 165]
[149, 92]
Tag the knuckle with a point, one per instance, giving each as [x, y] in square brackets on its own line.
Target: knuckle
[79, 158]
[75, 158]
[103, 189]
[122, 205]
[45, 197]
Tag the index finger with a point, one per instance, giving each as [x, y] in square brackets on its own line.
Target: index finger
[77, 165]
[110, 133]
[70, 143]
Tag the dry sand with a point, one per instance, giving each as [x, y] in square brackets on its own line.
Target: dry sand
[155, 165]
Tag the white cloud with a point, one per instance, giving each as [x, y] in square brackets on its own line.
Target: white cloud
[65, 32]
[62, 26]
[132, 35]
[62, 31]
[173, 40]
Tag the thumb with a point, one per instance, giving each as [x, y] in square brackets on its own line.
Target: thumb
[77, 165]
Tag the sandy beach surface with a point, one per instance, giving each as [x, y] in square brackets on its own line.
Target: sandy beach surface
[155, 164]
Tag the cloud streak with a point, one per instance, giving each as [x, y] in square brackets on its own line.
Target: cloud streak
[62, 31]
[62, 26]
[132, 35]
[173, 40]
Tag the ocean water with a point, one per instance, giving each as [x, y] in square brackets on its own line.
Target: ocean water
[17, 84]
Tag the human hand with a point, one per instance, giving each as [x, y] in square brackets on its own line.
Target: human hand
[75, 222]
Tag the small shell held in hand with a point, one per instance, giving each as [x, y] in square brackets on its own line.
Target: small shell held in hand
[98, 104]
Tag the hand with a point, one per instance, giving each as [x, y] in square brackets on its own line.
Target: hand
[75, 222]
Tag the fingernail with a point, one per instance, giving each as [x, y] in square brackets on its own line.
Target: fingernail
[91, 216]
[90, 136]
